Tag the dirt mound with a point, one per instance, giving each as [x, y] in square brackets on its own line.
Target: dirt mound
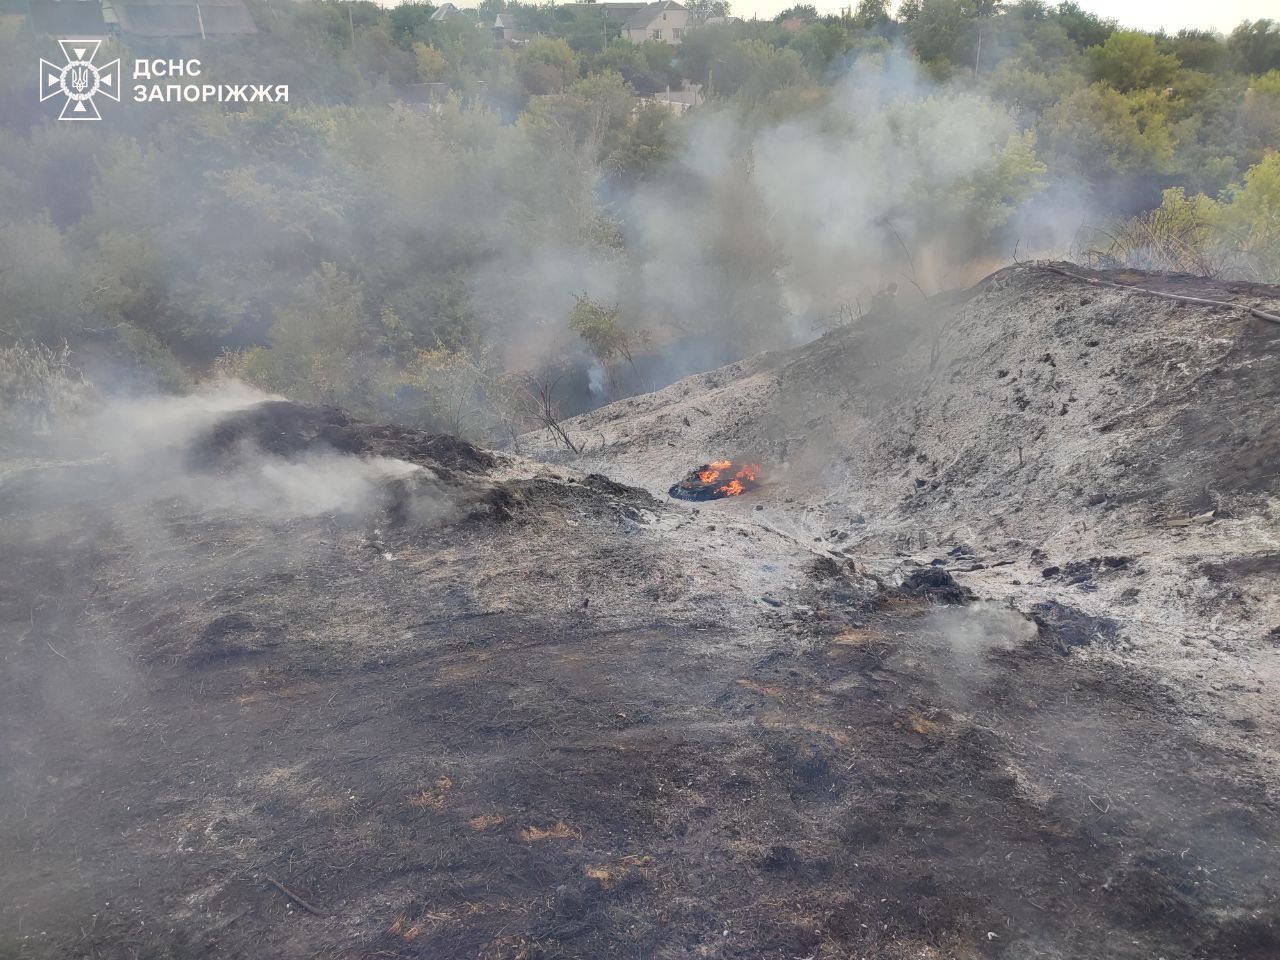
[1049, 422]
[1029, 385]
[287, 429]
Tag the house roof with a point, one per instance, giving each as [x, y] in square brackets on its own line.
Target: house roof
[648, 13]
[614, 10]
[182, 18]
[68, 18]
[444, 11]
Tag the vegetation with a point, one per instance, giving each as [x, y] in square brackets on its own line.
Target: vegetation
[435, 217]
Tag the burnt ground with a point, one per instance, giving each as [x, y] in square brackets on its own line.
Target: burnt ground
[553, 717]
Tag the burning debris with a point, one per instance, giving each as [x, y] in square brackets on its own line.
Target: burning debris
[720, 478]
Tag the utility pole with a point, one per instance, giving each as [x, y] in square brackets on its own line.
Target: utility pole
[351, 22]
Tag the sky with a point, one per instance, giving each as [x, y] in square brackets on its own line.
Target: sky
[1172, 15]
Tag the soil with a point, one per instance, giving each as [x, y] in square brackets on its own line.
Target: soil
[526, 710]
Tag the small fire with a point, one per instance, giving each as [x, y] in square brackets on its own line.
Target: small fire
[720, 478]
[711, 473]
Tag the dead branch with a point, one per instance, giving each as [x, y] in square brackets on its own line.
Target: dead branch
[542, 393]
[911, 261]
[310, 908]
[1181, 298]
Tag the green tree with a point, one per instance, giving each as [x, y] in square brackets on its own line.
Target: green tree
[872, 14]
[605, 336]
[1199, 50]
[432, 65]
[547, 65]
[702, 10]
[40, 288]
[1260, 113]
[1252, 217]
[801, 11]
[319, 344]
[936, 32]
[1099, 133]
[1085, 29]
[1131, 61]
[1255, 46]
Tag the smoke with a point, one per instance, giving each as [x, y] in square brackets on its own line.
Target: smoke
[772, 218]
[963, 642]
[149, 443]
[758, 231]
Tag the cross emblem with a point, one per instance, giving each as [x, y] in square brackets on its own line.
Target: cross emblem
[79, 80]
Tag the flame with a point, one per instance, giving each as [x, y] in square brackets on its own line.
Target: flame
[734, 487]
[713, 471]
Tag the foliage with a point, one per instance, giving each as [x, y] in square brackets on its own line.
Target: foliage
[1238, 233]
[358, 246]
[1251, 218]
[1098, 132]
[1131, 61]
[547, 65]
[39, 388]
[1181, 235]
[607, 339]
[444, 390]
[1255, 47]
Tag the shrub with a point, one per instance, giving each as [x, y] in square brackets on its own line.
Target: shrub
[39, 388]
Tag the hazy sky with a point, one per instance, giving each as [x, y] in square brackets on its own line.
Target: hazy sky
[1173, 15]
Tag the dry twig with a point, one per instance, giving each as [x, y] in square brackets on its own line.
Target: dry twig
[309, 907]
[1182, 298]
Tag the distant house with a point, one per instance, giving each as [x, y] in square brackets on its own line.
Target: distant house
[98, 19]
[663, 22]
[446, 11]
[677, 101]
[179, 18]
[611, 14]
[505, 30]
[425, 97]
[67, 19]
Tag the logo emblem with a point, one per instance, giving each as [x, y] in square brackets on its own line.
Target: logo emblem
[79, 80]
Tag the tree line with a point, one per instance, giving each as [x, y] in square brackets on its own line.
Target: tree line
[438, 226]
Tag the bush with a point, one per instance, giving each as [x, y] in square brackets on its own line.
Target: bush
[1236, 236]
[39, 388]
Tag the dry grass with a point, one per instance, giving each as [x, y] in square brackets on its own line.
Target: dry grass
[557, 831]
[408, 930]
[773, 691]
[1182, 235]
[428, 800]
[918, 723]
[610, 875]
[39, 388]
[487, 821]
[854, 637]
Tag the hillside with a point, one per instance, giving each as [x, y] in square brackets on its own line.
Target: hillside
[1051, 440]
[276, 682]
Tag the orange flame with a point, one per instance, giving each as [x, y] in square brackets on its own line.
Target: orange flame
[735, 487]
[713, 471]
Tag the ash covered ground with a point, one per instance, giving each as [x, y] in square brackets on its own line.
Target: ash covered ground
[986, 669]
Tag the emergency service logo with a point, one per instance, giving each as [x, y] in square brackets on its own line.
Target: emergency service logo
[79, 80]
